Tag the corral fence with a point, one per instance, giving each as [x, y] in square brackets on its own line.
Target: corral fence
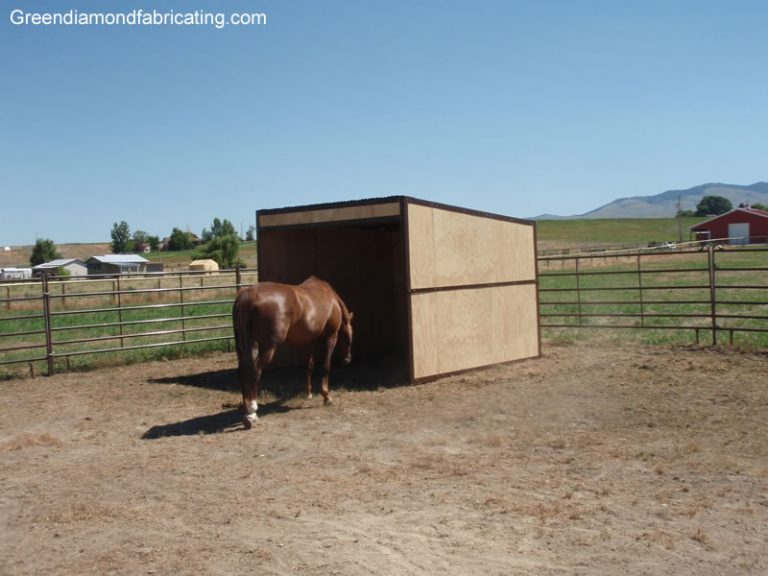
[53, 322]
[715, 294]
[708, 295]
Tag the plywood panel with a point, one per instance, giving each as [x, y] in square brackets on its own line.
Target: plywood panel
[456, 330]
[326, 215]
[452, 248]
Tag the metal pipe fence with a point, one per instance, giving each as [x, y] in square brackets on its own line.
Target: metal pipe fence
[714, 294]
[52, 321]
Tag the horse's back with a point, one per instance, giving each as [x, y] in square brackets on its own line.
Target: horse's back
[267, 309]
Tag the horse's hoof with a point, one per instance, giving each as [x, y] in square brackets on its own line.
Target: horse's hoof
[327, 401]
[247, 424]
[309, 396]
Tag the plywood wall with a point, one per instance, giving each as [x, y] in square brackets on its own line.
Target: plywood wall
[460, 329]
[451, 248]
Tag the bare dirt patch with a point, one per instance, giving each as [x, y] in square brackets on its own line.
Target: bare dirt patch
[590, 460]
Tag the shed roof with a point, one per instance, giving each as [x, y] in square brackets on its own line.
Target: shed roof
[58, 263]
[119, 259]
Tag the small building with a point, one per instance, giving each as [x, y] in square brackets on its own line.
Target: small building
[116, 264]
[74, 266]
[738, 226]
[12, 273]
[206, 266]
[435, 289]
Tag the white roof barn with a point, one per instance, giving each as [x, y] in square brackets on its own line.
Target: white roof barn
[74, 266]
[116, 264]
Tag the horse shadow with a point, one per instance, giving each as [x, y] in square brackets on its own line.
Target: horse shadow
[230, 420]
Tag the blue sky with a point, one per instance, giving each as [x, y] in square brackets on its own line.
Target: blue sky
[514, 107]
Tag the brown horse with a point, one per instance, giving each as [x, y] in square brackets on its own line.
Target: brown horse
[269, 314]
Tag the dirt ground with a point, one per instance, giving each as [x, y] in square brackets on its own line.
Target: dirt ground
[594, 459]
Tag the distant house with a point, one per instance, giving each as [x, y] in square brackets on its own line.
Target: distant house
[740, 226]
[74, 266]
[116, 264]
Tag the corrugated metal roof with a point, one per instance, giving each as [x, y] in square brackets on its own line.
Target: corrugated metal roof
[57, 263]
[120, 259]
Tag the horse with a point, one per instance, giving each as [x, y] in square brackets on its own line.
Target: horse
[269, 314]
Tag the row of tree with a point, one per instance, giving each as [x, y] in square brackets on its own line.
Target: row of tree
[221, 243]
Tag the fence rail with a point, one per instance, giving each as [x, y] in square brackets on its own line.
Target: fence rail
[51, 320]
[709, 292]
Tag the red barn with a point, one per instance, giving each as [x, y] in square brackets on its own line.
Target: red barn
[739, 226]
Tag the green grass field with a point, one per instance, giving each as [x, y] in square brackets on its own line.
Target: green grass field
[575, 233]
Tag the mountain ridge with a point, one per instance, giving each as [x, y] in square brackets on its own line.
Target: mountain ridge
[664, 204]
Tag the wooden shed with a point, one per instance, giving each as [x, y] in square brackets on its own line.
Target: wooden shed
[435, 288]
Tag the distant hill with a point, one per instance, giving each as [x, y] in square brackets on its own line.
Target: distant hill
[664, 205]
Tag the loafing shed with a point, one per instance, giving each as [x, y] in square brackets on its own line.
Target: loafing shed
[435, 288]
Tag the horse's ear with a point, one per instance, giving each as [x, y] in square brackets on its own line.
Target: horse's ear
[351, 316]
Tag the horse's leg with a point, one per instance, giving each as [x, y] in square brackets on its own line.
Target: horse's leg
[330, 345]
[310, 369]
[247, 370]
[262, 361]
[250, 406]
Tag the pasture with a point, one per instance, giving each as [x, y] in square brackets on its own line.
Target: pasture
[594, 459]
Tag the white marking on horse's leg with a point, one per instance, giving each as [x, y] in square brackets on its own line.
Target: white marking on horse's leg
[309, 396]
[250, 416]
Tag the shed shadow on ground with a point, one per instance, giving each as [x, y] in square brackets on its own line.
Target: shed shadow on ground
[278, 383]
[288, 381]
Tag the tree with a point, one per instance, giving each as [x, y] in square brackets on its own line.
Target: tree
[220, 228]
[121, 238]
[140, 240]
[154, 243]
[181, 240]
[713, 206]
[225, 250]
[43, 251]
[250, 235]
[759, 206]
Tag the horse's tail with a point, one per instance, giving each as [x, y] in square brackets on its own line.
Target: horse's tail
[244, 340]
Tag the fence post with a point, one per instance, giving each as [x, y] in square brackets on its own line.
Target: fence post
[181, 301]
[238, 279]
[47, 323]
[578, 291]
[712, 292]
[640, 290]
[120, 311]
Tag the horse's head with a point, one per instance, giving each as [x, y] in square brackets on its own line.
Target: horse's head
[344, 344]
